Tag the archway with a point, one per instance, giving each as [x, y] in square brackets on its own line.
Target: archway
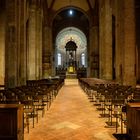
[65, 57]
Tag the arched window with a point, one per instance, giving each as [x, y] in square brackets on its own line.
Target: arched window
[83, 59]
[59, 59]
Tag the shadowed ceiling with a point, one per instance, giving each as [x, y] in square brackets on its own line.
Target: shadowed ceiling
[66, 27]
[86, 5]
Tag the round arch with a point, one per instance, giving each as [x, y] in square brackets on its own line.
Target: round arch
[69, 7]
[75, 35]
[61, 19]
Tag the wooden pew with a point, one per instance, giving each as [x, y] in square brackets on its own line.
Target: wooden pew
[133, 120]
[11, 122]
[107, 95]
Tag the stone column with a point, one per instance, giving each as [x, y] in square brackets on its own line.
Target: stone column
[47, 51]
[90, 53]
[75, 61]
[95, 41]
[2, 44]
[88, 59]
[119, 14]
[22, 43]
[96, 51]
[44, 52]
[105, 39]
[66, 58]
[51, 51]
[32, 43]
[39, 43]
[11, 44]
[95, 47]
[85, 57]
[41, 40]
[129, 71]
[18, 23]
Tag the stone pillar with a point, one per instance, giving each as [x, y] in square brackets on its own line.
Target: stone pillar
[85, 57]
[95, 51]
[39, 44]
[18, 23]
[119, 14]
[41, 40]
[35, 41]
[2, 43]
[32, 43]
[66, 58]
[105, 39]
[129, 62]
[51, 52]
[22, 44]
[90, 52]
[75, 61]
[88, 59]
[47, 51]
[94, 45]
[11, 44]
[44, 53]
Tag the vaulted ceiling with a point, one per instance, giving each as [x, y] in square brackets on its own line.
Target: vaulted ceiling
[59, 19]
[63, 20]
[59, 8]
[85, 5]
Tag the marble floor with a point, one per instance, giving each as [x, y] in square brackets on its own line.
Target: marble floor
[71, 117]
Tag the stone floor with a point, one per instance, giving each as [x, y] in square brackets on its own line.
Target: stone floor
[71, 117]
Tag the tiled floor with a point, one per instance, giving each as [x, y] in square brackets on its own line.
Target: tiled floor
[71, 117]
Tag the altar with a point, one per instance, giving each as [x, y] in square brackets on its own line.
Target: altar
[71, 73]
[71, 76]
[71, 69]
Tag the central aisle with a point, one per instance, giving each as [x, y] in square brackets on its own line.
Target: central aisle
[71, 117]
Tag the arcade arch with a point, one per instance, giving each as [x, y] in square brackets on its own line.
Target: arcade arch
[71, 34]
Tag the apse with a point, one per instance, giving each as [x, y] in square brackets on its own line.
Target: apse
[75, 35]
